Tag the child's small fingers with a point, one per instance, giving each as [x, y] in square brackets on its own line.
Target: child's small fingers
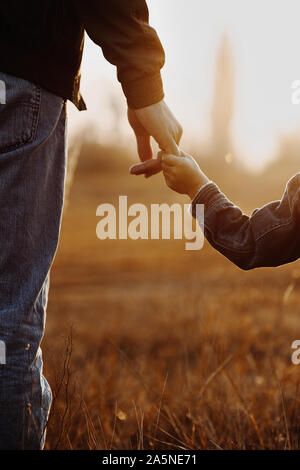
[169, 175]
[170, 160]
[160, 155]
[165, 166]
[167, 159]
[168, 179]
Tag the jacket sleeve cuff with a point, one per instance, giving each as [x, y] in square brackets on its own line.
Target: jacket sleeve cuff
[144, 92]
[208, 195]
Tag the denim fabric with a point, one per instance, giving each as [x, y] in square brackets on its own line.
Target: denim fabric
[32, 175]
[269, 237]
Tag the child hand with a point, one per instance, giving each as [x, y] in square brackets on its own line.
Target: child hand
[182, 174]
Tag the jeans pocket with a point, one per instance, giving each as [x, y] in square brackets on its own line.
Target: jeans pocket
[19, 112]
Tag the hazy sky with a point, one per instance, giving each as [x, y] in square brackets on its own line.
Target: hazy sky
[265, 37]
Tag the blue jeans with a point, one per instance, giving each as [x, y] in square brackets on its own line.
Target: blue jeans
[32, 176]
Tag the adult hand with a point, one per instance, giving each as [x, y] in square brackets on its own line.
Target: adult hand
[157, 121]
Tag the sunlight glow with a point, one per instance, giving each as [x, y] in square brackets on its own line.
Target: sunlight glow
[264, 37]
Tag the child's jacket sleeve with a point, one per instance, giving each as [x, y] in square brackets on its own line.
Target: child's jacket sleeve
[269, 237]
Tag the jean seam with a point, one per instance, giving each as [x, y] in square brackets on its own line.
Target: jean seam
[34, 115]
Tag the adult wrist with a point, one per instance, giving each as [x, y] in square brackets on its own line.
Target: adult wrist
[144, 92]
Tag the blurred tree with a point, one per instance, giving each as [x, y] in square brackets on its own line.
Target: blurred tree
[117, 113]
[223, 103]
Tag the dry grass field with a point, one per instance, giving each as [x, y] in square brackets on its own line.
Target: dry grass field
[149, 346]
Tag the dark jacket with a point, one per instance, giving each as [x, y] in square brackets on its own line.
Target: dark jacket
[270, 237]
[42, 41]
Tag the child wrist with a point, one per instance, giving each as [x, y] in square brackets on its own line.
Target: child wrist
[196, 188]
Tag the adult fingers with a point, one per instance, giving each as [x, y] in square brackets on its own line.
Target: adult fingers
[144, 147]
[155, 169]
[153, 172]
[172, 147]
[170, 160]
[146, 167]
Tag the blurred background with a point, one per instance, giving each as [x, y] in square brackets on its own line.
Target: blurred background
[148, 345]
[226, 63]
